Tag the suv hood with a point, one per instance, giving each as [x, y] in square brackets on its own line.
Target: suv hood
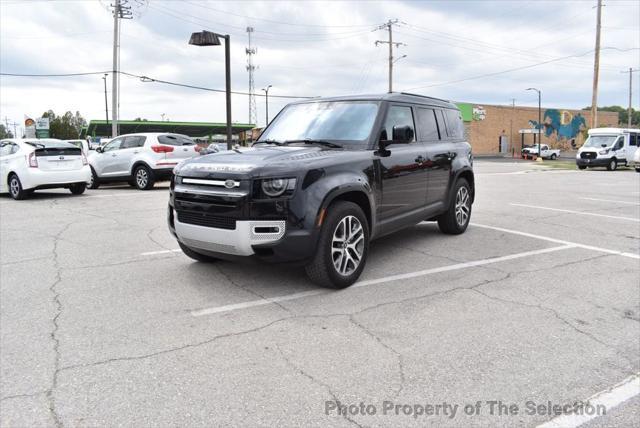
[252, 162]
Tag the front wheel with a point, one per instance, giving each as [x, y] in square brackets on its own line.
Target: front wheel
[94, 182]
[195, 255]
[582, 167]
[78, 189]
[638, 169]
[342, 248]
[15, 188]
[553, 156]
[143, 177]
[613, 165]
[456, 219]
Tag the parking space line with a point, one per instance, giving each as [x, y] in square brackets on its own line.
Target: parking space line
[558, 241]
[317, 291]
[152, 253]
[577, 212]
[610, 398]
[609, 200]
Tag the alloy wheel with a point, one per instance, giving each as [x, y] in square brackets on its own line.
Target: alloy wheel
[462, 206]
[142, 178]
[347, 245]
[14, 186]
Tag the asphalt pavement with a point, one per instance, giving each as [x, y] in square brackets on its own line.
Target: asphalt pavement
[104, 322]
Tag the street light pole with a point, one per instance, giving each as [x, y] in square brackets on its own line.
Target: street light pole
[266, 98]
[106, 103]
[207, 38]
[539, 119]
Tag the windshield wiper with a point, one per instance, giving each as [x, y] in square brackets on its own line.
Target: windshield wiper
[311, 141]
[276, 142]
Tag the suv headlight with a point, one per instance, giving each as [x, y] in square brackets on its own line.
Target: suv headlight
[274, 187]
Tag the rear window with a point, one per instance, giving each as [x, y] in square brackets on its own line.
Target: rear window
[50, 144]
[175, 140]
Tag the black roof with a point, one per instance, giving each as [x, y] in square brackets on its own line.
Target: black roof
[391, 96]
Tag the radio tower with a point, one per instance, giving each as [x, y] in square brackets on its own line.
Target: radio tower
[253, 115]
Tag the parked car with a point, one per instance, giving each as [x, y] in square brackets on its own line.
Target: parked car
[635, 162]
[608, 147]
[31, 164]
[139, 159]
[545, 152]
[213, 148]
[325, 178]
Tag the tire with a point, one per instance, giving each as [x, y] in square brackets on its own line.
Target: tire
[553, 156]
[15, 188]
[340, 237]
[95, 181]
[195, 255]
[143, 178]
[638, 169]
[613, 165]
[456, 219]
[78, 189]
[582, 167]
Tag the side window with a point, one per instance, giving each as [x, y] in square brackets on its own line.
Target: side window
[5, 149]
[427, 125]
[544, 148]
[133, 142]
[442, 125]
[454, 124]
[397, 116]
[633, 139]
[14, 148]
[113, 145]
[175, 140]
[619, 143]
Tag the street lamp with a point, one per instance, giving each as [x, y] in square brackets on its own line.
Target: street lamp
[539, 119]
[106, 104]
[207, 38]
[266, 98]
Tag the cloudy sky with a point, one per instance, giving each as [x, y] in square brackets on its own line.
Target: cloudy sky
[477, 51]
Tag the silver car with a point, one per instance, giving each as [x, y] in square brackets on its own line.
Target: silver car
[139, 159]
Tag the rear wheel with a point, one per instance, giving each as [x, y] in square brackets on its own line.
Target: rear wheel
[15, 188]
[456, 219]
[143, 178]
[342, 248]
[638, 169]
[582, 167]
[195, 255]
[78, 188]
[94, 183]
[613, 165]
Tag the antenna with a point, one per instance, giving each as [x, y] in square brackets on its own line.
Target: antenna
[253, 115]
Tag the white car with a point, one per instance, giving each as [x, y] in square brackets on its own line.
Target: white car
[31, 164]
[635, 162]
[140, 159]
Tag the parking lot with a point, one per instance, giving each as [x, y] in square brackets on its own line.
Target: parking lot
[104, 322]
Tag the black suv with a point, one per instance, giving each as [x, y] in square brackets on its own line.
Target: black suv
[325, 178]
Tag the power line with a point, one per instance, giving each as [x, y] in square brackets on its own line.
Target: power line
[54, 75]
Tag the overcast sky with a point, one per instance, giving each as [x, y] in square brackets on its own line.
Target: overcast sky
[313, 49]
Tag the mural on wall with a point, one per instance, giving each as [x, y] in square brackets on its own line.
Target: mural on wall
[564, 124]
[479, 113]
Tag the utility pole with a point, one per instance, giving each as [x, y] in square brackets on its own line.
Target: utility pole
[266, 99]
[106, 104]
[631, 70]
[253, 113]
[513, 108]
[120, 11]
[389, 26]
[596, 69]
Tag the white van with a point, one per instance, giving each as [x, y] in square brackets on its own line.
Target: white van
[608, 147]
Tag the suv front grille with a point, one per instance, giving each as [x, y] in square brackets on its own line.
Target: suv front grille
[202, 219]
[588, 155]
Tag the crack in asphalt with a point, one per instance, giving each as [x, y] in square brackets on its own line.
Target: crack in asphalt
[317, 382]
[33, 394]
[50, 392]
[150, 232]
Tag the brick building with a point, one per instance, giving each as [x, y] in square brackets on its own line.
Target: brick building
[504, 129]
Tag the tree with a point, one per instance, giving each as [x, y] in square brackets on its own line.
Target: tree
[65, 127]
[5, 133]
[623, 114]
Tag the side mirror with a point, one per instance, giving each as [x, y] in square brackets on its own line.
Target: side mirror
[402, 134]
[99, 149]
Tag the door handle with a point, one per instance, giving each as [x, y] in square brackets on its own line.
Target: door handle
[114, 155]
[136, 152]
[420, 159]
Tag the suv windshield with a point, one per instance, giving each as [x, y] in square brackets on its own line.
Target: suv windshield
[341, 121]
[600, 140]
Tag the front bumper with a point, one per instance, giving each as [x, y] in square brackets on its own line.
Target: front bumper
[593, 162]
[236, 242]
[36, 178]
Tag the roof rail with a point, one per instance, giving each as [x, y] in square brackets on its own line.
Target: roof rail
[425, 96]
